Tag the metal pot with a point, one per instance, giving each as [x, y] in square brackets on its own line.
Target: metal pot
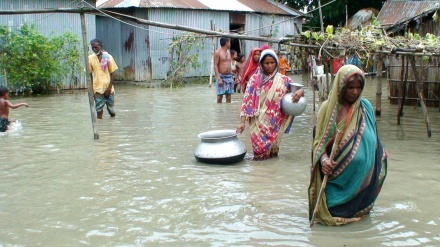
[290, 108]
[220, 147]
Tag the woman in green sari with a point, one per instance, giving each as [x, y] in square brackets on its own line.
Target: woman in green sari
[357, 172]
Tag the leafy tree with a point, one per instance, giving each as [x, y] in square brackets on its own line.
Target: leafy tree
[334, 13]
[184, 50]
[34, 61]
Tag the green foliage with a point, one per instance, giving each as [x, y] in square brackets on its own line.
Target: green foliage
[375, 22]
[34, 61]
[333, 13]
[184, 50]
[371, 40]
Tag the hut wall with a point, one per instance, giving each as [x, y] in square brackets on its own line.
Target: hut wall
[143, 62]
[51, 24]
[427, 25]
[142, 53]
[269, 26]
[430, 75]
[160, 38]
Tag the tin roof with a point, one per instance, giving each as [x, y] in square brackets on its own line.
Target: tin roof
[396, 12]
[258, 6]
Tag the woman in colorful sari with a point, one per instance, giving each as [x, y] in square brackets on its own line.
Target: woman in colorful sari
[261, 107]
[358, 169]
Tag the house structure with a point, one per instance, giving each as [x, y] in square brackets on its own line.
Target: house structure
[49, 23]
[399, 18]
[141, 51]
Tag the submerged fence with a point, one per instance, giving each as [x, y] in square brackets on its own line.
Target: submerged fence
[430, 74]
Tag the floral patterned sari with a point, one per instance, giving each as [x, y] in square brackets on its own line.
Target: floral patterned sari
[262, 107]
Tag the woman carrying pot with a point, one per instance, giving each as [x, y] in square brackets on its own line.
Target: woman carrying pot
[261, 107]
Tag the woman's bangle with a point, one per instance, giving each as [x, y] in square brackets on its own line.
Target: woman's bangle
[325, 159]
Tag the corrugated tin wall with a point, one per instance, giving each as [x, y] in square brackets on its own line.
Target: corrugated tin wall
[260, 25]
[252, 28]
[160, 38]
[143, 63]
[50, 23]
[143, 55]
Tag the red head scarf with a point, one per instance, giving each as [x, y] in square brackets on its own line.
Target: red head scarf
[265, 47]
[249, 68]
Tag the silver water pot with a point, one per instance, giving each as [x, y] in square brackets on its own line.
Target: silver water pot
[290, 108]
[220, 147]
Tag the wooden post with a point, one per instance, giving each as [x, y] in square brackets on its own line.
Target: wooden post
[88, 78]
[379, 86]
[403, 91]
[420, 94]
[400, 91]
[320, 16]
[212, 54]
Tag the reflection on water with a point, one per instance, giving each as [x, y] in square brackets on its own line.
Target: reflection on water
[140, 185]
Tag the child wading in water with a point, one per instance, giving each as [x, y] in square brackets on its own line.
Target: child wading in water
[239, 69]
[4, 108]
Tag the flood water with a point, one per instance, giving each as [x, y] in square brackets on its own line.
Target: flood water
[140, 185]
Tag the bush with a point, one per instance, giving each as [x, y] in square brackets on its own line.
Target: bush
[34, 61]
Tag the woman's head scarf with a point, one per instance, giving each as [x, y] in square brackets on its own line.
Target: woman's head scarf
[264, 54]
[265, 47]
[249, 68]
[327, 129]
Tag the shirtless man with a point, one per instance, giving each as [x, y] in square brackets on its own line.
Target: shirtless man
[223, 71]
[4, 108]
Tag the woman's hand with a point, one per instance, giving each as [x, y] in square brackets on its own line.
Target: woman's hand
[240, 128]
[297, 95]
[327, 166]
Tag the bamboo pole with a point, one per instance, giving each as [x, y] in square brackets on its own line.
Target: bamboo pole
[88, 78]
[283, 40]
[420, 94]
[320, 16]
[437, 79]
[213, 41]
[379, 87]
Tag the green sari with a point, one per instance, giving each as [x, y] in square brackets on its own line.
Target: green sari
[355, 182]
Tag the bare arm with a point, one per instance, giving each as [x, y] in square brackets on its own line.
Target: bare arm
[216, 62]
[242, 125]
[15, 106]
[110, 85]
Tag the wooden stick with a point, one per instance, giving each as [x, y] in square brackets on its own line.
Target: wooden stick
[379, 87]
[88, 78]
[324, 182]
[420, 93]
[213, 41]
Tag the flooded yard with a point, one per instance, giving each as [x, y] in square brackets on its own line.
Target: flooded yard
[140, 185]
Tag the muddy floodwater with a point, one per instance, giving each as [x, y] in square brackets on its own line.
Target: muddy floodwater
[140, 185]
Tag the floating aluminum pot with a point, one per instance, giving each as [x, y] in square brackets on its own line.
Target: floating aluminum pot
[220, 147]
[290, 108]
